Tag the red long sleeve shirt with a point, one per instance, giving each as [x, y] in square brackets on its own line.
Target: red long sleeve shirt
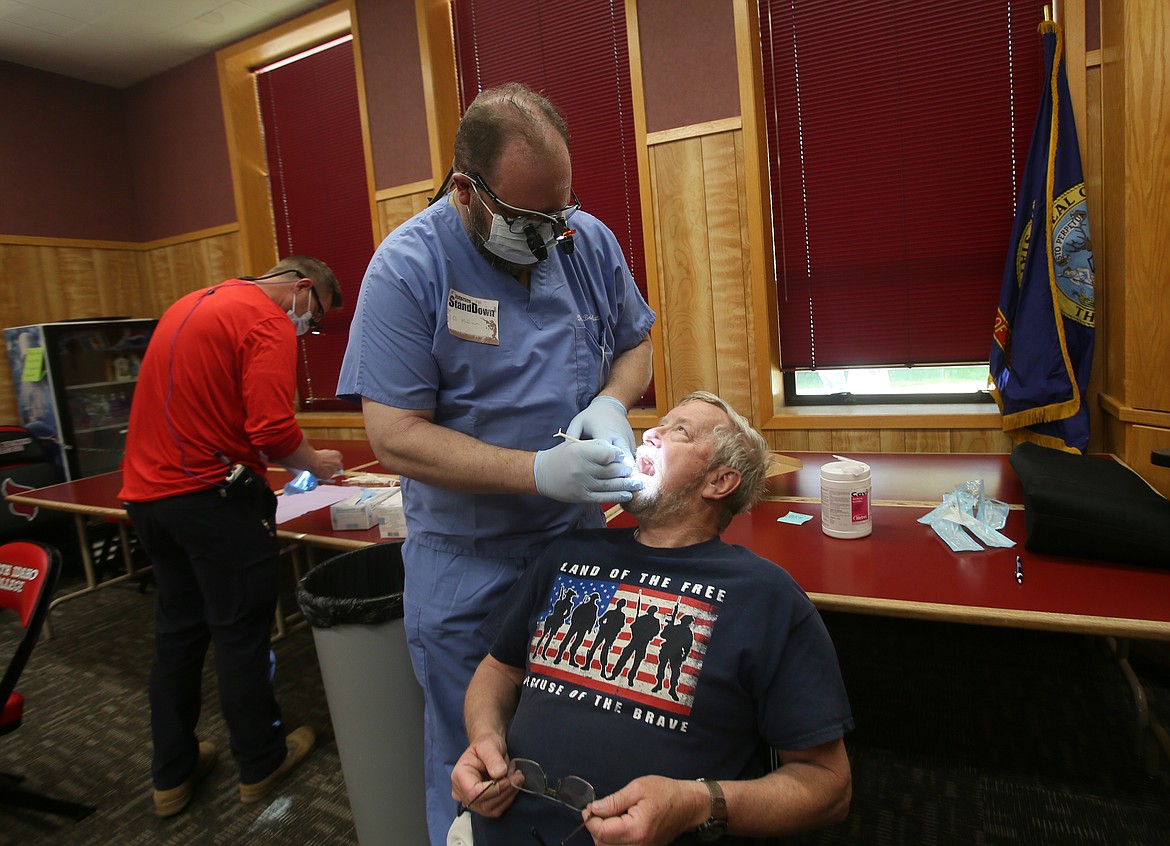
[218, 378]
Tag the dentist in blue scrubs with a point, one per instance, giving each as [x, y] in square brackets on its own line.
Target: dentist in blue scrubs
[488, 322]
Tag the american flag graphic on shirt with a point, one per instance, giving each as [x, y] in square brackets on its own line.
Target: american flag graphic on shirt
[639, 643]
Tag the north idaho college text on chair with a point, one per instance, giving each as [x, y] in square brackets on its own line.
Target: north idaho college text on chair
[28, 575]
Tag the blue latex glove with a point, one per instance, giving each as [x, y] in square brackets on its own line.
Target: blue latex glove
[587, 471]
[605, 420]
[303, 481]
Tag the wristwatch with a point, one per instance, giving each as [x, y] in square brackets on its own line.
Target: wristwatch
[716, 824]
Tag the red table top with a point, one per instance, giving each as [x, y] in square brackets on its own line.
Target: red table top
[903, 569]
[316, 528]
[97, 495]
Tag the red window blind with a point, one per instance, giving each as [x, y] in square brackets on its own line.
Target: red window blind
[320, 199]
[897, 136]
[577, 57]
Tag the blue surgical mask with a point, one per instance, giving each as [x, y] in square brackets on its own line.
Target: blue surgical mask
[301, 322]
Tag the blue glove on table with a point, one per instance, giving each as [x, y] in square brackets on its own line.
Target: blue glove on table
[604, 419]
[585, 471]
[303, 481]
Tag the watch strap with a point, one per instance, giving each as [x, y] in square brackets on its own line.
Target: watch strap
[716, 824]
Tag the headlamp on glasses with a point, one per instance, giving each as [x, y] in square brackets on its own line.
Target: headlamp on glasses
[525, 221]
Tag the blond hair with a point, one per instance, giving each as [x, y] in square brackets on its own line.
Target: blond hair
[740, 447]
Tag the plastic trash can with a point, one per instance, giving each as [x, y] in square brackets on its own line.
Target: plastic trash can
[354, 604]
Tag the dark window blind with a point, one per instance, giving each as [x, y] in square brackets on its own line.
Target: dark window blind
[577, 57]
[320, 198]
[897, 136]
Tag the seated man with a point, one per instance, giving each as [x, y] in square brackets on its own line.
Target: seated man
[665, 726]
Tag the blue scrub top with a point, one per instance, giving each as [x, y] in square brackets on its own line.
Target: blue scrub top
[437, 327]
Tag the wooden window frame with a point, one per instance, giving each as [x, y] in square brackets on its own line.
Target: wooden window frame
[249, 162]
[770, 411]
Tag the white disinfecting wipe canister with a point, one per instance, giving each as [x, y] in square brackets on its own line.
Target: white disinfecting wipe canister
[845, 487]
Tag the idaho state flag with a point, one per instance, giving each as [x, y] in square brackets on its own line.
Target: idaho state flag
[1043, 345]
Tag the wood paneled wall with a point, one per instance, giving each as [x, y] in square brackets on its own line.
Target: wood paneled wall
[705, 321]
[169, 272]
[398, 205]
[841, 439]
[51, 280]
[1127, 117]
[48, 280]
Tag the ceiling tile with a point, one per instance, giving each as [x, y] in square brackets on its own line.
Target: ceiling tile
[86, 11]
[121, 42]
[284, 9]
[42, 20]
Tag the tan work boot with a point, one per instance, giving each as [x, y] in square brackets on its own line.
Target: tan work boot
[167, 803]
[300, 743]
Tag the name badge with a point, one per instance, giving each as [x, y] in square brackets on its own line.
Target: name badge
[473, 319]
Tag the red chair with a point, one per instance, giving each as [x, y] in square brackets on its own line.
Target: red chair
[28, 575]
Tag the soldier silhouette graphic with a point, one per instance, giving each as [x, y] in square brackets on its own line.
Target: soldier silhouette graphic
[642, 631]
[581, 621]
[556, 617]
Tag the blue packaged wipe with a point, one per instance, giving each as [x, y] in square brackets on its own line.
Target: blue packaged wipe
[304, 481]
[958, 512]
[944, 520]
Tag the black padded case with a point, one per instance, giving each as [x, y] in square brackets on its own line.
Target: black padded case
[1090, 507]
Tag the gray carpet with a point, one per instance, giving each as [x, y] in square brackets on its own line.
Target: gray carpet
[996, 737]
[966, 735]
[86, 738]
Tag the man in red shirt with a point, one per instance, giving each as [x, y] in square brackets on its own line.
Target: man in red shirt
[212, 407]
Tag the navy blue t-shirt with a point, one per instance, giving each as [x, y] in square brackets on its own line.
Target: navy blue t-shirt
[676, 662]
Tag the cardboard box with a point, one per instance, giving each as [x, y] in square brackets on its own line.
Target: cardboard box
[781, 464]
[357, 511]
[389, 516]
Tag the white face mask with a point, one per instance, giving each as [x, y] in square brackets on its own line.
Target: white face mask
[513, 246]
[301, 322]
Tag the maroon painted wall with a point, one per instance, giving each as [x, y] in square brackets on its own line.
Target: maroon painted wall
[395, 104]
[64, 161]
[178, 151]
[689, 70]
[84, 161]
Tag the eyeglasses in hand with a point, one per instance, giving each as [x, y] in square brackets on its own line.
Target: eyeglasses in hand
[571, 791]
[527, 776]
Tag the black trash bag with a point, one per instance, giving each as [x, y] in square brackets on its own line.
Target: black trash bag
[362, 587]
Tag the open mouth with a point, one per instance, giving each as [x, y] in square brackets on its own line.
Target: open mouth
[646, 459]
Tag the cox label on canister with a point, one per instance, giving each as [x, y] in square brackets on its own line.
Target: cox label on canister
[845, 489]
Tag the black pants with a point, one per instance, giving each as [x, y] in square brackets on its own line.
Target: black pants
[215, 560]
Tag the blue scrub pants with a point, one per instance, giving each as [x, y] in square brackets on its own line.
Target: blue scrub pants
[446, 598]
